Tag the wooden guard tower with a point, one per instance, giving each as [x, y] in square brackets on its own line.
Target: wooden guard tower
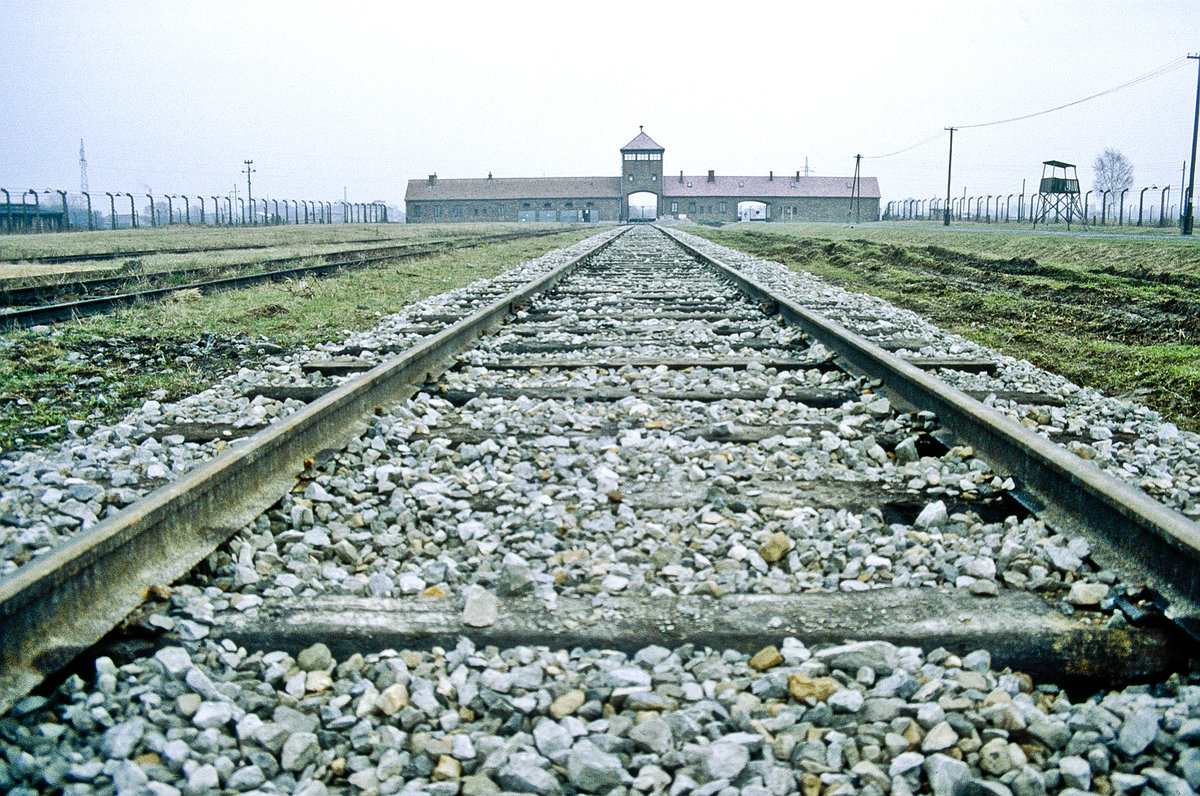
[1058, 194]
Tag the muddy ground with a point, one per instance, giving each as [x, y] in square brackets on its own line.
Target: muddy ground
[1135, 308]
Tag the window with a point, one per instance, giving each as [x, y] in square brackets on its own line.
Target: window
[691, 207]
[569, 204]
[674, 207]
[741, 183]
[417, 211]
[722, 206]
[653, 178]
[484, 211]
[525, 205]
[458, 210]
[629, 156]
[643, 156]
[656, 156]
[499, 210]
[631, 178]
[689, 183]
[545, 204]
[437, 210]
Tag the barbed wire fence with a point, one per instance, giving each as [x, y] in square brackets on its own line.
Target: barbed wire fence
[55, 210]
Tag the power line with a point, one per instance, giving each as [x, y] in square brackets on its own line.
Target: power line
[1173, 65]
[1177, 63]
[933, 137]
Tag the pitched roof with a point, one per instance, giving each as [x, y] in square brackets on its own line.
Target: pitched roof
[642, 142]
[780, 186]
[510, 188]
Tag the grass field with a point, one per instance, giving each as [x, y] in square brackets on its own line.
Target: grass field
[1121, 315]
[97, 368]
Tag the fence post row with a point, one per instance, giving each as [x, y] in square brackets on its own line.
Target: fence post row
[16, 216]
[982, 208]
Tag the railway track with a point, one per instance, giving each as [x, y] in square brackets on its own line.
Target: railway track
[85, 257]
[42, 303]
[633, 520]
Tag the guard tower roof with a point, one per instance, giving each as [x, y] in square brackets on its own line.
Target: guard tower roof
[1058, 164]
[641, 143]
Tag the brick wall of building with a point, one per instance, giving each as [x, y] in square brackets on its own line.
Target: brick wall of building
[704, 198]
[476, 210]
[709, 208]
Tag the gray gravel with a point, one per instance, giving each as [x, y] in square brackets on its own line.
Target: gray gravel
[640, 496]
[1124, 439]
[866, 718]
[50, 495]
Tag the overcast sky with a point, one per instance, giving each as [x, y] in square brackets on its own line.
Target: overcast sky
[363, 96]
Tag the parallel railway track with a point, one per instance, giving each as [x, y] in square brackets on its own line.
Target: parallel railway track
[641, 448]
[101, 256]
[31, 304]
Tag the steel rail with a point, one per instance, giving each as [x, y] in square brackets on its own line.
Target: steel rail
[49, 313]
[59, 604]
[83, 257]
[53, 259]
[1131, 528]
[28, 293]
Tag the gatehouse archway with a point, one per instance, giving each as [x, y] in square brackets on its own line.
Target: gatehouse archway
[642, 206]
[753, 211]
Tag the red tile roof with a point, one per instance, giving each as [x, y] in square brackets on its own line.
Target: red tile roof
[781, 186]
[515, 188]
[510, 188]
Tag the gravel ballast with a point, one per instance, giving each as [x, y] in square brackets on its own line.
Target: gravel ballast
[645, 495]
[866, 717]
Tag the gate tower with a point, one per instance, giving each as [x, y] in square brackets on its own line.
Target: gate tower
[641, 170]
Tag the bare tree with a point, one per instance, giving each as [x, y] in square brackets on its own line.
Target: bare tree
[1113, 172]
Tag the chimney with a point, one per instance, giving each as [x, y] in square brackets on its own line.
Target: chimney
[770, 176]
[433, 179]
[712, 175]
[681, 175]
[489, 175]
[797, 176]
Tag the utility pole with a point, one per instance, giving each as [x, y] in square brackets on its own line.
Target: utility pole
[249, 195]
[1187, 212]
[856, 191]
[83, 184]
[949, 166]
